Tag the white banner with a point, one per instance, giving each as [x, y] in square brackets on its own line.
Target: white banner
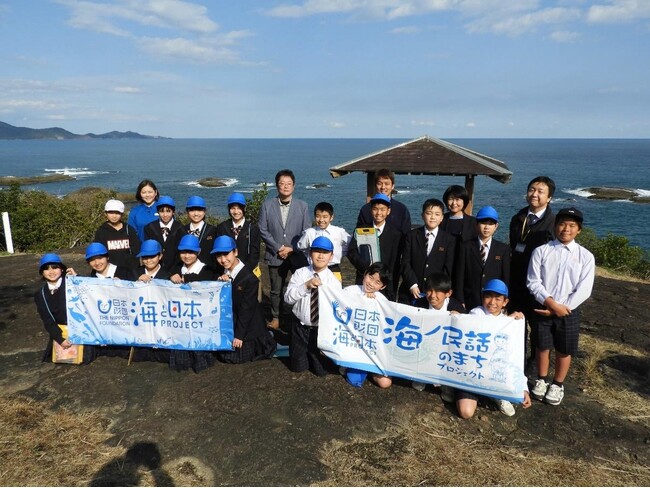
[480, 354]
[196, 316]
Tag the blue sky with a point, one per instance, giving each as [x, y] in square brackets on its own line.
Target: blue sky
[328, 68]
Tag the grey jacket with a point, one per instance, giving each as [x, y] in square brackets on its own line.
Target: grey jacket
[274, 234]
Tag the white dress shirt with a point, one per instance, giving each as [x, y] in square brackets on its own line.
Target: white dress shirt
[338, 235]
[564, 272]
[299, 296]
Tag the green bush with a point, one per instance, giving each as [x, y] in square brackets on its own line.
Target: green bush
[254, 204]
[42, 222]
[615, 253]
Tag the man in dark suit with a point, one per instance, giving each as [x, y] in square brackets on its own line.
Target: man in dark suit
[427, 249]
[390, 245]
[481, 260]
[531, 227]
[166, 230]
[282, 220]
[398, 217]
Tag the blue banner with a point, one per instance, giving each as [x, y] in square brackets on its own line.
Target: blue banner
[196, 316]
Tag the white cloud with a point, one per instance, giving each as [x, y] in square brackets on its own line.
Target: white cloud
[127, 89]
[564, 36]
[186, 50]
[56, 117]
[423, 123]
[470, 124]
[619, 11]
[518, 24]
[335, 125]
[171, 14]
[411, 29]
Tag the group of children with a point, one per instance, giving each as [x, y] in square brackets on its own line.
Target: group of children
[451, 262]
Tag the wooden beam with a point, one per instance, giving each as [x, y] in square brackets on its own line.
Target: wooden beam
[469, 186]
[371, 189]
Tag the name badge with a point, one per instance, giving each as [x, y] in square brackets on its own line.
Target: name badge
[520, 247]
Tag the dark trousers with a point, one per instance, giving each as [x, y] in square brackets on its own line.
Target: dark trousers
[303, 350]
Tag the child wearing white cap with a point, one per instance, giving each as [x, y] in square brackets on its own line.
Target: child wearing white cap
[121, 240]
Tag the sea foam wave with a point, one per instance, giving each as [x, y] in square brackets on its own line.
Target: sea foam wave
[581, 192]
[76, 171]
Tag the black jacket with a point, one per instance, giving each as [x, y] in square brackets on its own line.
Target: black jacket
[123, 245]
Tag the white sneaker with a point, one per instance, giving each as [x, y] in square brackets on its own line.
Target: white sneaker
[416, 385]
[554, 395]
[506, 408]
[539, 390]
[447, 394]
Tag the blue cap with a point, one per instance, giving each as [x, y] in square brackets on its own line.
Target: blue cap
[150, 247]
[496, 286]
[165, 201]
[49, 258]
[223, 244]
[355, 377]
[380, 198]
[488, 213]
[95, 249]
[189, 242]
[322, 242]
[195, 202]
[237, 198]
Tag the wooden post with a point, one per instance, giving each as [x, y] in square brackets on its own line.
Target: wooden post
[469, 186]
[371, 189]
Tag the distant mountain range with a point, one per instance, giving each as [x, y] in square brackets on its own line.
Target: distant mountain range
[11, 132]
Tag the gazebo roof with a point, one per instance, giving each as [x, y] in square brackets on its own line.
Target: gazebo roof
[427, 156]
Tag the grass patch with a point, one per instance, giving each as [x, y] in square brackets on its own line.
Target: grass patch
[434, 452]
[45, 447]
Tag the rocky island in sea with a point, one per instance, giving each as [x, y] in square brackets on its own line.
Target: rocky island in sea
[613, 193]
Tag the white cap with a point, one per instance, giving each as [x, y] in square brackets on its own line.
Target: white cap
[114, 206]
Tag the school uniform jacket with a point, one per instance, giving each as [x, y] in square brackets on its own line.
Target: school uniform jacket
[471, 274]
[248, 241]
[417, 266]
[248, 318]
[56, 302]
[162, 273]
[275, 235]
[390, 250]
[399, 216]
[123, 245]
[530, 238]
[170, 246]
[468, 231]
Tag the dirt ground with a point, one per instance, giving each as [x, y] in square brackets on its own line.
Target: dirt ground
[261, 424]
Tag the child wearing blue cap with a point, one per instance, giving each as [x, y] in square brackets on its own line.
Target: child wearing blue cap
[495, 299]
[302, 295]
[166, 230]
[98, 258]
[193, 269]
[244, 231]
[252, 340]
[151, 255]
[50, 302]
[199, 228]
[480, 260]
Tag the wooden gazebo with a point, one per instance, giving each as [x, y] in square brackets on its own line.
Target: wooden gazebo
[427, 156]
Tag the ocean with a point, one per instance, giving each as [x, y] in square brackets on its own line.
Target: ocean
[176, 165]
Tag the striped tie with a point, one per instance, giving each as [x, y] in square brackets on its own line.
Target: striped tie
[313, 306]
[484, 252]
